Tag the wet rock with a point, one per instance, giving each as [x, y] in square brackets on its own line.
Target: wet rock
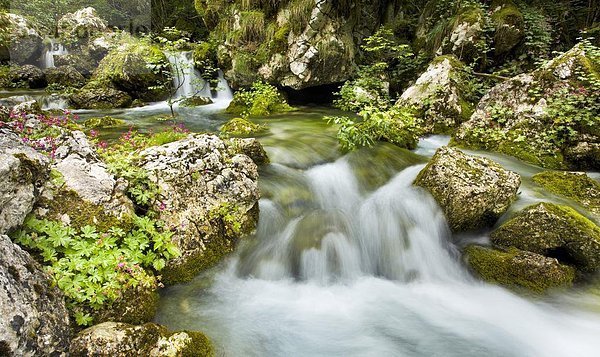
[65, 76]
[28, 76]
[242, 127]
[100, 98]
[195, 101]
[517, 269]
[117, 339]
[554, 231]
[81, 24]
[574, 185]
[249, 147]
[210, 200]
[22, 43]
[440, 96]
[35, 321]
[23, 172]
[29, 107]
[472, 191]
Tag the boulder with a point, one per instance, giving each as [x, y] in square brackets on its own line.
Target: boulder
[472, 191]
[81, 60]
[249, 147]
[210, 200]
[28, 76]
[510, 26]
[574, 185]
[241, 127]
[65, 77]
[23, 172]
[28, 107]
[118, 339]
[517, 269]
[35, 321]
[195, 101]
[22, 42]
[81, 24]
[554, 231]
[82, 191]
[531, 116]
[440, 96]
[91, 97]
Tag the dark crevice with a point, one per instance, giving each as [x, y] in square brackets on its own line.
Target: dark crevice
[319, 95]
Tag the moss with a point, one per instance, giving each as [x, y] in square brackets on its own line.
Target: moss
[138, 305]
[576, 186]
[201, 346]
[242, 127]
[517, 269]
[470, 15]
[195, 101]
[103, 122]
[525, 151]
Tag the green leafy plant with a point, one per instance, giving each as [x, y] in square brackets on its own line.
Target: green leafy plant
[261, 99]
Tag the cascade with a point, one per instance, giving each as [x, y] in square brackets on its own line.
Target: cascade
[54, 49]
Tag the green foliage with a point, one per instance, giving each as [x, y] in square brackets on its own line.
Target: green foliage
[260, 100]
[368, 89]
[93, 268]
[397, 125]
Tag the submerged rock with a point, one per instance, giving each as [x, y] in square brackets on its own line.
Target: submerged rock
[517, 269]
[118, 339]
[574, 185]
[35, 321]
[90, 97]
[210, 200]
[554, 231]
[472, 191]
[23, 172]
[440, 96]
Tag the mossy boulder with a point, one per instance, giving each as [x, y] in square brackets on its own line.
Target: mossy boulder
[20, 41]
[472, 191]
[81, 24]
[212, 200]
[136, 305]
[574, 185]
[545, 117]
[440, 95]
[137, 68]
[554, 231]
[510, 26]
[249, 147]
[65, 77]
[518, 270]
[195, 101]
[118, 339]
[241, 127]
[103, 122]
[27, 76]
[99, 97]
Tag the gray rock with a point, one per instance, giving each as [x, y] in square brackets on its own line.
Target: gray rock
[23, 171]
[249, 147]
[83, 23]
[35, 321]
[472, 191]
[209, 198]
[23, 42]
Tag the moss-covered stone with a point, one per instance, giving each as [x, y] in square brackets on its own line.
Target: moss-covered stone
[574, 185]
[98, 96]
[517, 269]
[195, 101]
[554, 231]
[510, 25]
[242, 127]
[103, 122]
[136, 305]
[64, 77]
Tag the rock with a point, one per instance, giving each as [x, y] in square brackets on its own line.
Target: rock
[81, 24]
[100, 98]
[440, 96]
[196, 101]
[4, 113]
[117, 339]
[472, 191]
[510, 26]
[29, 107]
[23, 172]
[249, 147]
[82, 191]
[137, 305]
[465, 36]
[554, 231]
[80, 60]
[28, 76]
[575, 185]
[35, 321]
[210, 200]
[22, 42]
[241, 127]
[65, 77]
[517, 269]
[136, 68]
[519, 116]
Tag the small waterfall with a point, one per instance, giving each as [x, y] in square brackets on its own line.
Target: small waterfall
[189, 82]
[54, 49]
[54, 102]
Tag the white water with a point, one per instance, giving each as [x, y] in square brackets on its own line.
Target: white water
[54, 102]
[54, 49]
[366, 274]
[189, 82]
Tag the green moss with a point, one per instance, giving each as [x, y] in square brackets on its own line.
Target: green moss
[136, 306]
[242, 127]
[509, 14]
[525, 151]
[516, 269]
[103, 122]
[576, 186]
[201, 346]
[195, 101]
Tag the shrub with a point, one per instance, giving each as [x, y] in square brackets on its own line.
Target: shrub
[261, 99]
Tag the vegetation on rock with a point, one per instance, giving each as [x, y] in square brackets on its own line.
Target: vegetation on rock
[260, 100]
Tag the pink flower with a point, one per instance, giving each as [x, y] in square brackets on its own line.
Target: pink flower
[103, 145]
[93, 133]
[162, 206]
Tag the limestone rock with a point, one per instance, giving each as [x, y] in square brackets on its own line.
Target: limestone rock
[100, 98]
[516, 269]
[574, 185]
[65, 76]
[210, 200]
[472, 191]
[35, 321]
[554, 231]
[118, 339]
[23, 172]
[249, 147]
[23, 42]
[83, 23]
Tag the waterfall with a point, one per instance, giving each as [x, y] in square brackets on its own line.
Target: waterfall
[54, 102]
[54, 49]
[188, 81]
